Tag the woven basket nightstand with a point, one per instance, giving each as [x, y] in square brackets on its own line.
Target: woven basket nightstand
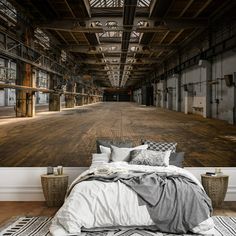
[54, 189]
[216, 188]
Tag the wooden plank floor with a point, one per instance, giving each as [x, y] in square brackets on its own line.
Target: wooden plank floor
[68, 138]
[12, 209]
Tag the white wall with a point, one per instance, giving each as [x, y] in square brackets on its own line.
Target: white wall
[223, 65]
[137, 96]
[23, 183]
[171, 95]
[195, 78]
[207, 95]
[10, 97]
[2, 98]
[42, 98]
[62, 98]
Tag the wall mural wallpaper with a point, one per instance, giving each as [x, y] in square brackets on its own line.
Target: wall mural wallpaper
[176, 62]
[69, 137]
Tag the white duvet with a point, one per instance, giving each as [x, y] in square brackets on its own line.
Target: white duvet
[93, 204]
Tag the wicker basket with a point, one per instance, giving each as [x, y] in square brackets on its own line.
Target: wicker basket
[54, 189]
[216, 188]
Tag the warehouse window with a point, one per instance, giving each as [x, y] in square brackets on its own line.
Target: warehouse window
[41, 38]
[63, 55]
[8, 11]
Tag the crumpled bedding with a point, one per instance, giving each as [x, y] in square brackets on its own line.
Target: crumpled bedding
[96, 203]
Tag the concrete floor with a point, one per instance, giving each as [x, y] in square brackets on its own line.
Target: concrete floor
[69, 137]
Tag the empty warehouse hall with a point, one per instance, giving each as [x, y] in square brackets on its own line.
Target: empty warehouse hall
[69, 137]
[124, 110]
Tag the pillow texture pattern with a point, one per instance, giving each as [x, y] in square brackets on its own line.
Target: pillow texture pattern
[115, 142]
[123, 154]
[160, 146]
[176, 159]
[149, 157]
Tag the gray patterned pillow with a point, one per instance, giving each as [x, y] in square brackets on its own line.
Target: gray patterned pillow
[149, 157]
[160, 146]
[177, 159]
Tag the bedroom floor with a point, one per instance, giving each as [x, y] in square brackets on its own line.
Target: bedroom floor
[11, 209]
[69, 137]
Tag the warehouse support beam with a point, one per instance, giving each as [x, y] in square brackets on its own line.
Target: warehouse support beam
[54, 98]
[164, 94]
[85, 98]
[169, 98]
[90, 97]
[54, 102]
[79, 98]
[70, 98]
[178, 92]
[25, 100]
[188, 98]
[95, 98]
[206, 75]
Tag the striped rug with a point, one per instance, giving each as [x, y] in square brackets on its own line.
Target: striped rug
[28, 226]
[38, 226]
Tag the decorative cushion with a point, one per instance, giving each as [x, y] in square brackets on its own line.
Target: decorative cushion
[99, 158]
[115, 142]
[176, 159]
[160, 146]
[149, 157]
[106, 150]
[123, 154]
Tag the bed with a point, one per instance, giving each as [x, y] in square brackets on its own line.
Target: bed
[134, 188]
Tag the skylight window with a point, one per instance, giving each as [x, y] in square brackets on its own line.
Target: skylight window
[116, 3]
[135, 34]
[111, 24]
[107, 3]
[144, 3]
[111, 34]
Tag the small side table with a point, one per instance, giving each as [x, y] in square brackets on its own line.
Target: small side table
[215, 187]
[54, 189]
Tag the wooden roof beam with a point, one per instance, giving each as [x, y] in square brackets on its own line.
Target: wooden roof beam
[202, 8]
[69, 8]
[186, 8]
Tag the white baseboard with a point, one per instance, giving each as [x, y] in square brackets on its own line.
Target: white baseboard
[23, 183]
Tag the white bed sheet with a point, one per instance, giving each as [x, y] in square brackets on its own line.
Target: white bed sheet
[94, 203]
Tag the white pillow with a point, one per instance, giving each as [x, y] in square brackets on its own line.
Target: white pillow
[106, 150]
[104, 157]
[99, 159]
[123, 154]
[150, 157]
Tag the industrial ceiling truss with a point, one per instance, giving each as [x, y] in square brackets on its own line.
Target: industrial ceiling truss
[114, 41]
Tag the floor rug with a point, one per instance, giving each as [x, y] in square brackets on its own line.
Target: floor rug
[38, 226]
